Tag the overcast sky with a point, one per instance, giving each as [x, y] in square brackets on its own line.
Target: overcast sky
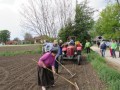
[10, 17]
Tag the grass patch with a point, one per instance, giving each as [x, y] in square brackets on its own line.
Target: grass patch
[109, 75]
[14, 53]
[7, 53]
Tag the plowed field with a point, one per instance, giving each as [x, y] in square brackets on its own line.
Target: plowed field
[20, 73]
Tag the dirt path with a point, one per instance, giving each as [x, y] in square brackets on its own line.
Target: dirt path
[114, 62]
[20, 73]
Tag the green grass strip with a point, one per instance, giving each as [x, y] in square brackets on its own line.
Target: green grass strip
[109, 75]
[14, 53]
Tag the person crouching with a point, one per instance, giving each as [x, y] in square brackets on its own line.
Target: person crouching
[45, 76]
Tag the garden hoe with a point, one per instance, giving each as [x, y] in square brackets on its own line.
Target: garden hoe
[74, 84]
[72, 75]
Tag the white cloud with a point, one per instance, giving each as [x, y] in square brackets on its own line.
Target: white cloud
[97, 5]
[7, 1]
[10, 18]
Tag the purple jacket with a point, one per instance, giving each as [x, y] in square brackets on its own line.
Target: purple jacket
[47, 59]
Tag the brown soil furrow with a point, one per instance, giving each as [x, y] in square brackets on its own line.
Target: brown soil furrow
[85, 70]
[17, 75]
[20, 78]
[22, 73]
[16, 66]
[3, 75]
[91, 82]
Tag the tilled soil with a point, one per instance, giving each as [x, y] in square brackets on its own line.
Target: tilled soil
[20, 73]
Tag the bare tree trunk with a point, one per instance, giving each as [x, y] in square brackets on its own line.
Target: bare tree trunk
[36, 18]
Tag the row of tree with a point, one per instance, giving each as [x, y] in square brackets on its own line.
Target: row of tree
[108, 24]
[66, 17]
[5, 36]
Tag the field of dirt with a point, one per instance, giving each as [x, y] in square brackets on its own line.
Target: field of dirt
[20, 73]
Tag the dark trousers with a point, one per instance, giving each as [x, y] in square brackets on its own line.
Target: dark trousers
[103, 52]
[88, 50]
[45, 76]
[56, 65]
[113, 53]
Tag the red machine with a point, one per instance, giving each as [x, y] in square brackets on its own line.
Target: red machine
[72, 52]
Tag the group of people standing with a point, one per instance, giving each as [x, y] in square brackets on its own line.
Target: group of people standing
[113, 47]
[48, 62]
